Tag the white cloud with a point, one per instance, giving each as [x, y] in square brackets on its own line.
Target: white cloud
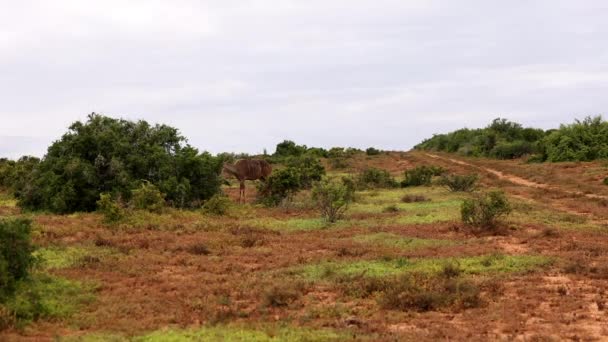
[242, 75]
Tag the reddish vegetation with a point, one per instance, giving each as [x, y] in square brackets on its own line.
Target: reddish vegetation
[163, 277]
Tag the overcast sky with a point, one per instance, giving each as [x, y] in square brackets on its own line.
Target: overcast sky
[244, 75]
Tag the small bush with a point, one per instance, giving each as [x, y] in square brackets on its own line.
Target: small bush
[198, 249]
[456, 183]
[390, 209]
[605, 181]
[414, 198]
[109, 208]
[283, 295]
[217, 205]
[372, 151]
[422, 292]
[16, 257]
[421, 175]
[282, 185]
[373, 178]
[148, 197]
[332, 198]
[484, 211]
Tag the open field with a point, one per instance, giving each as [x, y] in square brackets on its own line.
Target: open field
[270, 274]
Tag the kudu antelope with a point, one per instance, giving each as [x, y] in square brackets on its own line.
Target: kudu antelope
[248, 169]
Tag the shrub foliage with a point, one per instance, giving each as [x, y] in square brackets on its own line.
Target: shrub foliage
[584, 140]
[332, 198]
[16, 257]
[421, 175]
[454, 183]
[106, 155]
[373, 178]
[484, 211]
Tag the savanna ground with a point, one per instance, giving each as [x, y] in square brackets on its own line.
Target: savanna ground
[283, 274]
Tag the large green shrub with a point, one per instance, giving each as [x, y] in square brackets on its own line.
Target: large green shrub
[484, 211]
[371, 151]
[373, 178]
[288, 148]
[332, 198]
[281, 185]
[309, 167]
[421, 175]
[581, 141]
[16, 257]
[114, 155]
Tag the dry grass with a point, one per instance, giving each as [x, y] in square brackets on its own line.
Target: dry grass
[221, 275]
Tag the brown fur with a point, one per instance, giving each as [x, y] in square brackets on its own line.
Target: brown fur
[248, 169]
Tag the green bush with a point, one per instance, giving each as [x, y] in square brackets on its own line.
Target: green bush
[511, 150]
[484, 211]
[217, 205]
[148, 197]
[421, 175]
[584, 140]
[606, 181]
[309, 167]
[110, 208]
[371, 151]
[16, 257]
[288, 148]
[113, 156]
[373, 178]
[455, 183]
[332, 198]
[281, 185]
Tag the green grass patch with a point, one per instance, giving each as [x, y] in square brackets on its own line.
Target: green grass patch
[65, 257]
[48, 297]
[228, 334]
[379, 268]
[398, 241]
[6, 200]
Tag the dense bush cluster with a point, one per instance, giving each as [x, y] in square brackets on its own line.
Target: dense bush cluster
[501, 139]
[584, 140]
[373, 178]
[282, 185]
[421, 175]
[309, 167]
[581, 141]
[16, 257]
[106, 155]
[371, 151]
[299, 173]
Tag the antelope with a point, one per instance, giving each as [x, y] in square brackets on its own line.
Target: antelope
[248, 169]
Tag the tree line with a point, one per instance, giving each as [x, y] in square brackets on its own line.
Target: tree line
[583, 140]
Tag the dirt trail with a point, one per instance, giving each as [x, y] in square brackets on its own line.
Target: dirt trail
[518, 180]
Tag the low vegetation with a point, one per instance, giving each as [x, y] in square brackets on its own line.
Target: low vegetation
[485, 211]
[459, 183]
[16, 259]
[332, 198]
[421, 175]
[373, 178]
